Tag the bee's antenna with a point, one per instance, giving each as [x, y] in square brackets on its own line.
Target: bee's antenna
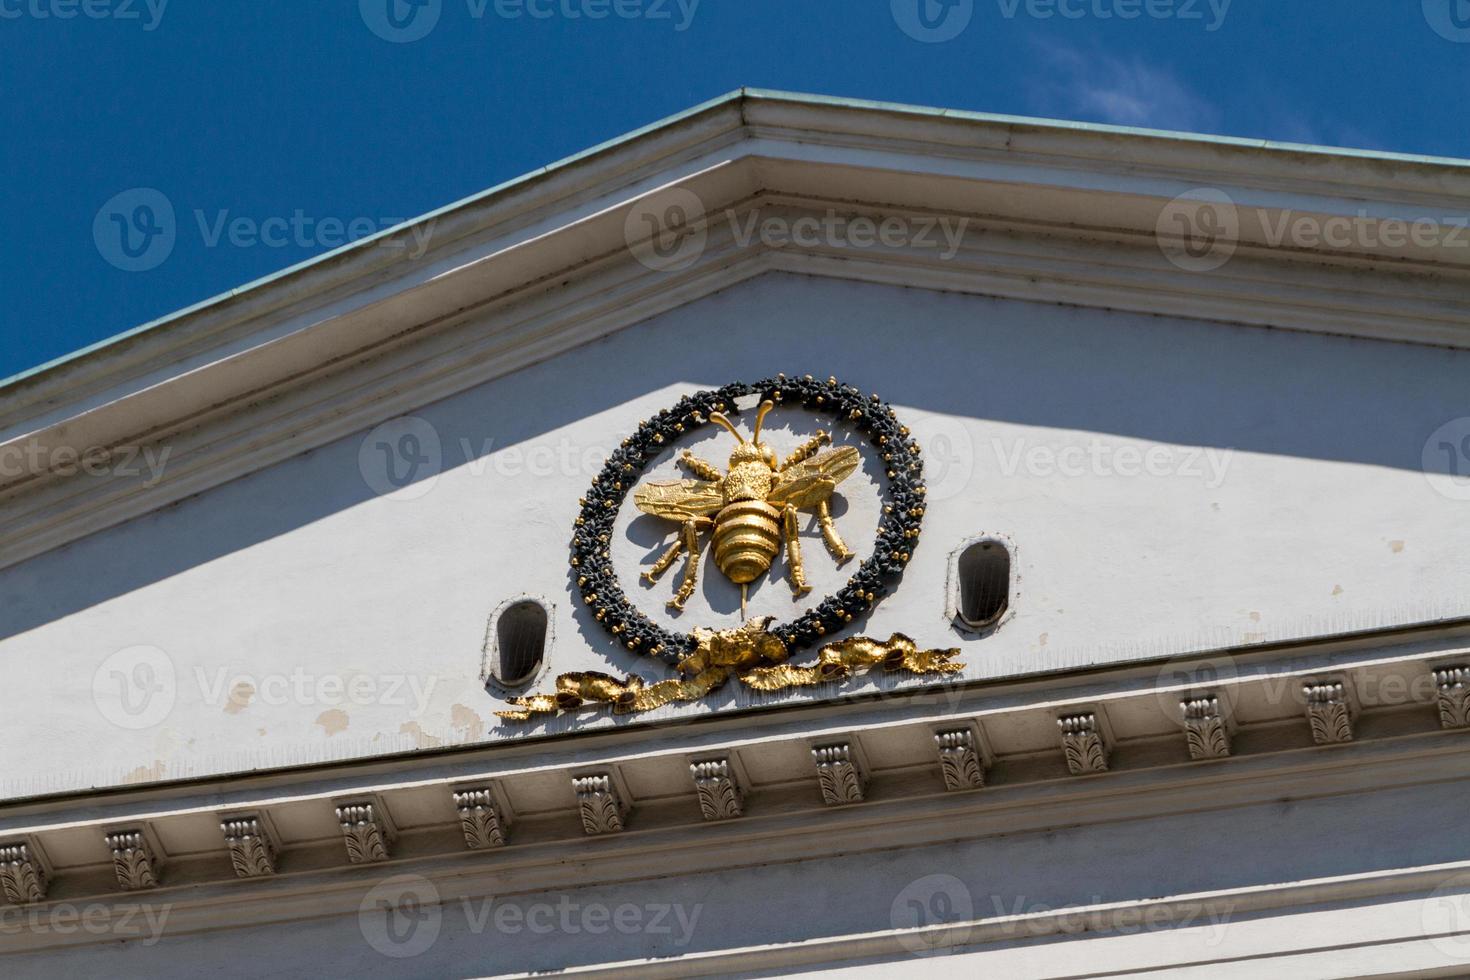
[719, 419]
[760, 417]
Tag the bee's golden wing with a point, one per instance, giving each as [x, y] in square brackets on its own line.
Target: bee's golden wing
[806, 483]
[679, 500]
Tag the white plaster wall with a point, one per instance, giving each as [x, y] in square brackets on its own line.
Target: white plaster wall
[358, 619]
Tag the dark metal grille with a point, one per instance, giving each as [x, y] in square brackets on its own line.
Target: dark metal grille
[520, 642]
[985, 582]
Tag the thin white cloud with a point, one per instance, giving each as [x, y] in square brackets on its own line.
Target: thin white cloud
[1127, 92]
[1091, 85]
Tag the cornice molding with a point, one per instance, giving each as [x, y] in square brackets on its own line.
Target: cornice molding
[697, 778]
[202, 897]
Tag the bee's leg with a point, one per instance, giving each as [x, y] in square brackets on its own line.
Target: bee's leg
[665, 560]
[806, 450]
[834, 541]
[690, 533]
[700, 467]
[794, 571]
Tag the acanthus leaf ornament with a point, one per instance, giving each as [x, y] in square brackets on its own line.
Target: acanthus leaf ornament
[252, 853]
[479, 819]
[600, 804]
[839, 776]
[1082, 744]
[22, 877]
[720, 796]
[959, 760]
[751, 512]
[366, 835]
[1328, 712]
[133, 861]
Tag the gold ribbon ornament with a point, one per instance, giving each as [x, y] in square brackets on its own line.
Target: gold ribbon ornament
[749, 652]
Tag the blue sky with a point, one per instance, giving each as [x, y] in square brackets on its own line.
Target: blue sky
[314, 121]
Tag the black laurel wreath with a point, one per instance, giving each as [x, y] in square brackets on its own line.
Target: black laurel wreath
[898, 528]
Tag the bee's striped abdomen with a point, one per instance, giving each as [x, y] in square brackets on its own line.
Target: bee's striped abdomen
[747, 537]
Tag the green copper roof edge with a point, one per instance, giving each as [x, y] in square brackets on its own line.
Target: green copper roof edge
[737, 95]
[1042, 122]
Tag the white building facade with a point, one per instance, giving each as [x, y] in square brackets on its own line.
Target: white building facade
[1152, 451]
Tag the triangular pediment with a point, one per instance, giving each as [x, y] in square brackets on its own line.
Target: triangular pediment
[1028, 302]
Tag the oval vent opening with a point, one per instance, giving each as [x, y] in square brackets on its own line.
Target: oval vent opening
[985, 583]
[520, 642]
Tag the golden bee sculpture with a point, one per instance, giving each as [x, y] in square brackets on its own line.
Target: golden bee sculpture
[750, 509]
